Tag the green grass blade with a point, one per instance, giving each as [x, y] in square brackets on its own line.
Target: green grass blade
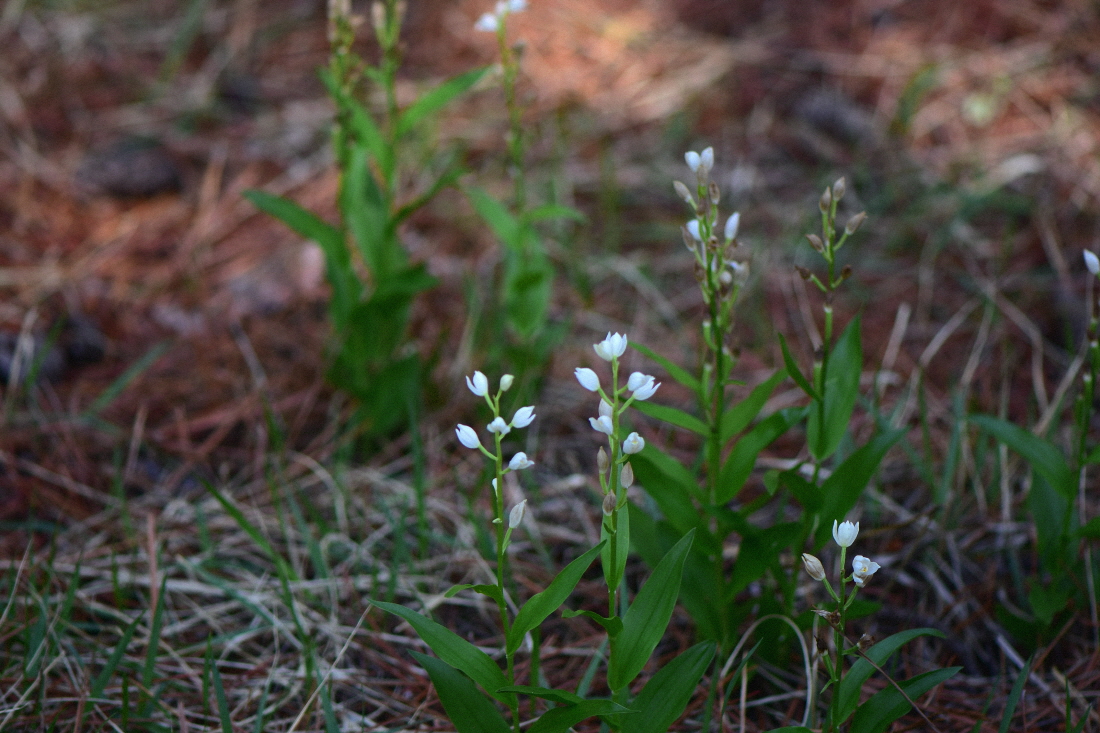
[101, 680]
[123, 381]
[1014, 696]
[223, 700]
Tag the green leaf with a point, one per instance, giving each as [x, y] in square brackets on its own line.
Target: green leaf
[760, 549]
[794, 372]
[1093, 456]
[742, 458]
[613, 626]
[645, 621]
[492, 591]
[345, 286]
[450, 174]
[843, 488]
[668, 692]
[1014, 696]
[366, 214]
[496, 215]
[123, 381]
[223, 700]
[541, 605]
[454, 650]
[888, 705]
[678, 373]
[850, 686]
[563, 697]
[791, 729]
[1045, 457]
[553, 211]
[671, 415]
[1090, 529]
[437, 99]
[468, 709]
[808, 495]
[562, 719]
[99, 684]
[827, 425]
[741, 415]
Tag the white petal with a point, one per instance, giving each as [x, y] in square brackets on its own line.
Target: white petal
[487, 22]
[647, 390]
[588, 378]
[731, 225]
[480, 384]
[523, 417]
[467, 437]
[693, 227]
[602, 425]
[1092, 262]
[634, 443]
[692, 159]
[515, 517]
[499, 426]
[706, 159]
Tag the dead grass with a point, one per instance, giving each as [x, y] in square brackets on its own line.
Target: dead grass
[968, 276]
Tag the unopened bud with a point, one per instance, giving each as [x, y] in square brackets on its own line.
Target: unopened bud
[815, 242]
[813, 566]
[713, 193]
[377, 14]
[609, 504]
[803, 272]
[683, 192]
[838, 189]
[626, 476]
[845, 273]
[515, 517]
[865, 642]
[854, 223]
[601, 461]
[826, 200]
[506, 382]
[689, 241]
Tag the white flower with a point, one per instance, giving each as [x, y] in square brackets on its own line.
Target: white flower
[693, 160]
[606, 409]
[636, 380]
[731, 225]
[706, 160]
[1092, 262]
[499, 426]
[844, 535]
[863, 568]
[612, 347]
[467, 437]
[506, 382]
[519, 462]
[647, 390]
[516, 515]
[693, 228]
[488, 23]
[523, 417]
[480, 384]
[602, 424]
[588, 378]
[633, 444]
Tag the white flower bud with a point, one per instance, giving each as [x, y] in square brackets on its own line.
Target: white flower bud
[602, 424]
[634, 443]
[731, 226]
[1092, 262]
[693, 160]
[845, 534]
[601, 461]
[467, 437]
[612, 347]
[838, 189]
[588, 378]
[626, 476]
[523, 417]
[683, 192]
[515, 517]
[487, 23]
[706, 159]
[693, 229]
[506, 382]
[480, 384]
[519, 462]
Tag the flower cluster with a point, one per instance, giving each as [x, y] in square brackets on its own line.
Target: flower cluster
[491, 22]
[844, 534]
[479, 385]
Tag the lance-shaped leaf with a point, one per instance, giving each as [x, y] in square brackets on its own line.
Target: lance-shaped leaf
[645, 621]
[1045, 457]
[541, 605]
[850, 686]
[468, 709]
[454, 650]
[667, 693]
[829, 419]
[562, 719]
[887, 705]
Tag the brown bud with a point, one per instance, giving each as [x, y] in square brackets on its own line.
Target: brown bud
[838, 189]
[865, 642]
[683, 192]
[845, 273]
[803, 272]
[713, 193]
[626, 476]
[689, 241]
[609, 504]
[815, 242]
[854, 223]
[601, 461]
[826, 200]
[813, 566]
